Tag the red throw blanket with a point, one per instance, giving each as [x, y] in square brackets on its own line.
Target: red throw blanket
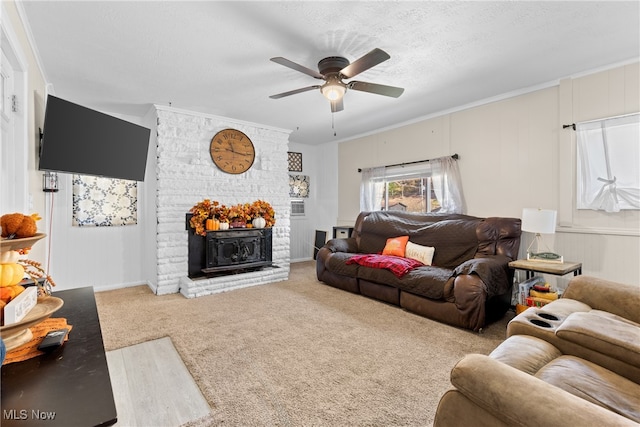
[397, 265]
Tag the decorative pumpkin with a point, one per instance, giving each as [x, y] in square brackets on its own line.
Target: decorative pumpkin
[19, 225]
[212, 225]
[259, 222]
[10, 292]
[9, 257]
[11, 274]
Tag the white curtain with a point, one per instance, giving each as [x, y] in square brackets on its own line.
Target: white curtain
[447, 184]
[608, 163]
[445, 178]
[372, 189]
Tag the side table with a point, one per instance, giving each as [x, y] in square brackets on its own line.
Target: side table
[557, 269]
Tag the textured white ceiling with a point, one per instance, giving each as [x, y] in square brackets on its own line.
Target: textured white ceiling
[213, 57]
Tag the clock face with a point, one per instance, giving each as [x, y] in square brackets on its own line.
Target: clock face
[232, 151]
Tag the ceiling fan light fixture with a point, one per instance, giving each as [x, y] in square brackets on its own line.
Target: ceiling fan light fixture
[333, 69]
[333, 92]
[333, 89]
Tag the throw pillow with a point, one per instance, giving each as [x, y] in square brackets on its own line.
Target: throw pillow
[424, 254]
[395, 246]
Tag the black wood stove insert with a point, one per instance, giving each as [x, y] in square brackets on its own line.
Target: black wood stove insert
[229, 251]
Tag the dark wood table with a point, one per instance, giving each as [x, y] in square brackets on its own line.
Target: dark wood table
[68, 387]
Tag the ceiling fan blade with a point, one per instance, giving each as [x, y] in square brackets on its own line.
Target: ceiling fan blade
[293, 92]
[283, 61]
[376, 88]
[369, 60]
[337, 105]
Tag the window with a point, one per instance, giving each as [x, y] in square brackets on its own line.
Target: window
[410, 195]
[608, 163]
[432, 186]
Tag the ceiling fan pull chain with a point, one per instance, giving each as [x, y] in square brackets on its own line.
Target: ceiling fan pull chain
[333, 115]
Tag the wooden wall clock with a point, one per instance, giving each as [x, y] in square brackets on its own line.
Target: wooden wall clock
[232, 151]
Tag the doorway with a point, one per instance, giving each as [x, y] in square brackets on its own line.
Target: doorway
[13, 112]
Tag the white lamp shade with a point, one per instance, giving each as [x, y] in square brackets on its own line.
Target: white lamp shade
[542, 221]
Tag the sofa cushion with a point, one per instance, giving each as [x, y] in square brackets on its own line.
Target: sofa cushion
[607, 334]
[395, 246]
[337, 263]
[614, 316]
[525, 353]
[595, 384]
[424, 281]
[622, 299]
[455, 240]
[424, 254]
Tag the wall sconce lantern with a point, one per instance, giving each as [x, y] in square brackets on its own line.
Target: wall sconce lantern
[50, 182]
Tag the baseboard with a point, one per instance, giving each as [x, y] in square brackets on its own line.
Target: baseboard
[121, 286]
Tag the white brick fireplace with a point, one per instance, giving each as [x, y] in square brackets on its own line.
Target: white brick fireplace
[185, 175]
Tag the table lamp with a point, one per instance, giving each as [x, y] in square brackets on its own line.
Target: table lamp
[540, 221]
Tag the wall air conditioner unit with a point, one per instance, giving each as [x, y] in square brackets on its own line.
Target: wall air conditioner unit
[297, 208]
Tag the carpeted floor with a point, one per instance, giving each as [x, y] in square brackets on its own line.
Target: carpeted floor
[299, 353]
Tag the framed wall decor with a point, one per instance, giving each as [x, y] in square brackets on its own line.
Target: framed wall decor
[104, 202]
[298, 186]
[295, 162]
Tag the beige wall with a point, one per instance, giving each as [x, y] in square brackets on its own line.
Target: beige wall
[33, 107]
[514, 154]
[506, 148]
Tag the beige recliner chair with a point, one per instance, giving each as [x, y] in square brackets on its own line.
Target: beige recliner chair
[574, 361]
[597, 320]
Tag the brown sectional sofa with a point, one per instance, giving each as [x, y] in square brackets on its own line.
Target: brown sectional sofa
[572, 362]
[469, 283]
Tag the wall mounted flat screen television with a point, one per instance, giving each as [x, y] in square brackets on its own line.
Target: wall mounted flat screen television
[79, 140]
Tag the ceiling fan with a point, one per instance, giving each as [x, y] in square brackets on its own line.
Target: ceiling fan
[336, 68]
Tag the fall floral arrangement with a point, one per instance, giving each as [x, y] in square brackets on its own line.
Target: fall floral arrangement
[240, 213]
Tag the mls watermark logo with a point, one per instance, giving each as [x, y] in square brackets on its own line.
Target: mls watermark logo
[25, 414]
